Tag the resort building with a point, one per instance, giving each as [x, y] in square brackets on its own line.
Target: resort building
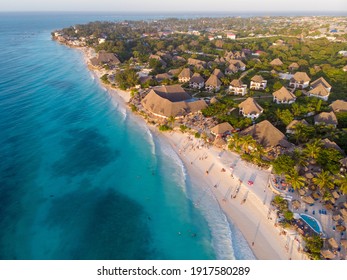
[217, 72]
[162, 77]
[258, 83]
[238, 64]
[283, 96]
[199, 64]
[276, 62]
[196, 81]
[231, 69]
[339, 106]
[300, 80]
[171, 101]
[185, 75]
[267, 135]
[294, 66]
[290, 129]
[250, 108]
[326, 118]
[237, 87]
[331, 145]
[222, 129]
[213, 83]
[320, 92]
[321, 81]
[105, 58]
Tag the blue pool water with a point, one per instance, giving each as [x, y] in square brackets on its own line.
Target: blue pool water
[312, 222]
[80, 178]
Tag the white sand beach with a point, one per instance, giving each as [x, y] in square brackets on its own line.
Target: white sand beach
[249, 210]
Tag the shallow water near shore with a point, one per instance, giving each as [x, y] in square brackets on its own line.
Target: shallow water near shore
[80, 178]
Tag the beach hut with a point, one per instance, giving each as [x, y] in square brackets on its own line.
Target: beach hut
[308, 199]
[327, 254]
[332, 242]
[219, 142]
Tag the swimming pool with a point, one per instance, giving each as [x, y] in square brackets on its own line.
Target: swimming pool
[312, 222]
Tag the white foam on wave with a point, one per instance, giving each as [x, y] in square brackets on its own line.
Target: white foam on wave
[181, 175]
[222, 237]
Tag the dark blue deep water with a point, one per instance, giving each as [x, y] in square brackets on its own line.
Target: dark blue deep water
[79, 177]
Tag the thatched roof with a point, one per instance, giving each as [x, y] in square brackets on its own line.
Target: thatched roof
[327, 118]
[237, 63]
[295, 122]
[339, 106]
[104, 57]
[344, 161]
[302, 192]
[296, 204]
[266, 135]
[163, 76]
[276, 62]
[185, 73]
[196, 62]
[257, 79]
[319, 90]
[221, 128]
[236, 83]
[214, 100]
[294, 65]
[284, 95]
[218, 73]
[301, 77]
[250, 106]
[170, 101]
[330, 144]
[219, 142]
[327, 254]
[213, 81]
[308, 199]
[232, 68]
[196, 78]
[344, 243]
[343, 212]
[320, 81]
[332, 242]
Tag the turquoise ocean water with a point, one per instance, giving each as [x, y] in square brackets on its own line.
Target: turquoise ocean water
[80, 178]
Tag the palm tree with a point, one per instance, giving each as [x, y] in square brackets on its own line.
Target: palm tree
[248, 144]
[234, 142]
[295, 179]
[324, 181]
[342, 182]
[300, 158]
[313, 148]
[171, 120]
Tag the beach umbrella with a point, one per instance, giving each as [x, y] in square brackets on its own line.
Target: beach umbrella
[329, 206]
[308, 199]
[332, 242]
[344, 243]
[340, 228]
[302, 192]
[343, 212]
[316, 195]
[335, 195]
[337, 217]
[327, 254]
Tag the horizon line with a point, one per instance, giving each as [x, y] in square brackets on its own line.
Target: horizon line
[171, 12]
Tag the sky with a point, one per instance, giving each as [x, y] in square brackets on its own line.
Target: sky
[176, 5]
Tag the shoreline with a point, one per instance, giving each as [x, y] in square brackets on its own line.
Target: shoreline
[250, 210]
